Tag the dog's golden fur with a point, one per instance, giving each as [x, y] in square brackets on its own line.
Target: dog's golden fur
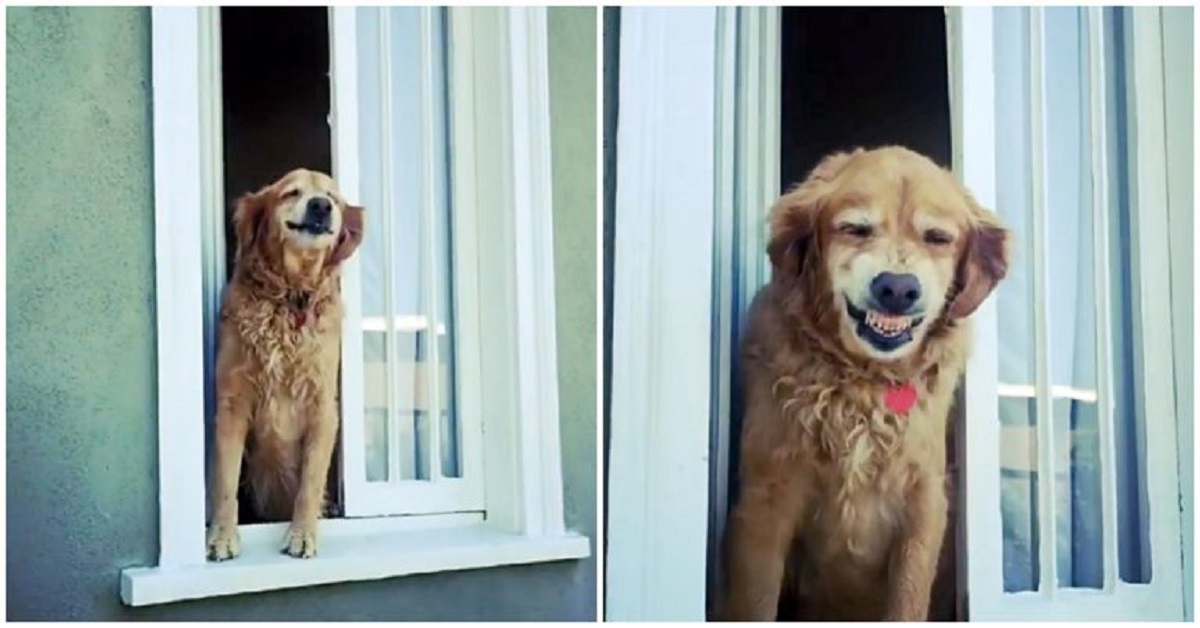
[277, 361]
[843, 500]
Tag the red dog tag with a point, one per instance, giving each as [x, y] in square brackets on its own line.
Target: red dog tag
[901, 397]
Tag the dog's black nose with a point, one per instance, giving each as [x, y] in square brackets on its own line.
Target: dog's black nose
[318, 207]
[896, 293]
[317, 213]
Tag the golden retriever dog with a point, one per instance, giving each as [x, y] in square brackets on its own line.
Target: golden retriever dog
[851, 356]
[277, 358]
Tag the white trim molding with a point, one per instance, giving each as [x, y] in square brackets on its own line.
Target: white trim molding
[178, 56]
[658, 467]
[1154, 376]
[747, 183]
[533, 245]
[349, 553]
[692, 197]
[973, 126]
[500, 172]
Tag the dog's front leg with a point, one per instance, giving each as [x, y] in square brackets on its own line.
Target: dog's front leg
[233, 423]
[301, 539]
[760, 532]
[915, 557]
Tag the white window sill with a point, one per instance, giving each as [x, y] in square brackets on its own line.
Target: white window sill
[346, 558]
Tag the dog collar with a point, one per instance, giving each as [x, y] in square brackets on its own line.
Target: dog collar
[301, 308]
[900, 398]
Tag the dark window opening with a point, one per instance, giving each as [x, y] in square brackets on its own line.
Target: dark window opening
[870, 77]
[276, 93]
[865, 77]
[862, 77]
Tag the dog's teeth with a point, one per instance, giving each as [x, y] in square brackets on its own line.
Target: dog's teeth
[887, 324]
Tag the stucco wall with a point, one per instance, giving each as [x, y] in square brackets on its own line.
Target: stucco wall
[82, 470]
[573, 127]
[1178, 54]
[81, 394]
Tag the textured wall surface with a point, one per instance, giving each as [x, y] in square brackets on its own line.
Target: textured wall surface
[1179, 44]
[82, 470]
[81, 393]
[573, 127]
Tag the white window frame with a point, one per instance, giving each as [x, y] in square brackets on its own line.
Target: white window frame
[659, 443]
[747, 182]
[972, 98]
[495, 51]
[678, 210]
[437, 494]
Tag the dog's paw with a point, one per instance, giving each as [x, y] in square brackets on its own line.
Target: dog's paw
[301, 540]
[223, 542]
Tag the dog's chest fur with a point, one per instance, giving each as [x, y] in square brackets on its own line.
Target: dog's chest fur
[859, 460]
[287, 345]
[293, 356]
[856, 456]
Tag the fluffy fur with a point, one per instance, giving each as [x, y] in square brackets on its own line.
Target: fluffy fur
[843, 503]
[277, 359]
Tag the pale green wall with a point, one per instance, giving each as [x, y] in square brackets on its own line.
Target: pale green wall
[81, 423]
[573, 125]
[1179, 108]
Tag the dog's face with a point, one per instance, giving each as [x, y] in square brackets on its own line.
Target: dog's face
[891, 242]
[299, 218]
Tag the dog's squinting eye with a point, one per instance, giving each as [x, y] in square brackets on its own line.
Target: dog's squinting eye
[937, 236]
[292, 193]
[857, 230]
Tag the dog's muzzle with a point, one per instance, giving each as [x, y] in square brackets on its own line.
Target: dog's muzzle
[318, 214]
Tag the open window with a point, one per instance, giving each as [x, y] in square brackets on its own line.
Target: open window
[1072, 491]
[448, 363]
[1054, 118]
[274, 100]
[869, 77]
[409, 444]
[413, 428]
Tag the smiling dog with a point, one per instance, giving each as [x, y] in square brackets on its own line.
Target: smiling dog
[278, 356]
[851, 357]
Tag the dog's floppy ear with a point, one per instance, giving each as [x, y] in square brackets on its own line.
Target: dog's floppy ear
[794, 216]
[984, 261]
[249, 219]
[350, 236]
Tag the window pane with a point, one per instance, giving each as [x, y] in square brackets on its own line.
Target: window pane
[405, 258]
[443, 312]
[1071, 299]
[375, 412]
[1129, 433]
[1077, 491]
[1018, 494]
[1070, 305]
[1014, 301]
[376, 437]
[449, 432]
